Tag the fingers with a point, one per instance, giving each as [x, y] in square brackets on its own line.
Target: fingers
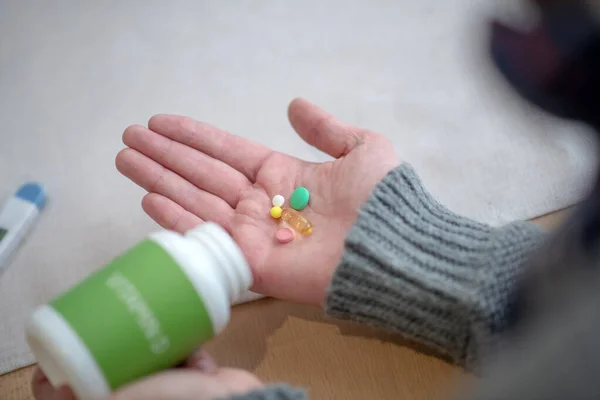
[190, 384]
[155, 178]
[169, 214]
[241, 154]
[322, 130]
[205, 172]
[38, 376]
[43, 390]
[202, 361]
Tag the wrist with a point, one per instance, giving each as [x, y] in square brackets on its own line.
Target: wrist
[412, 266]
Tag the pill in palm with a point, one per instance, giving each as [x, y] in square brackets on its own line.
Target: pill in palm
[276, 212]
[278, 200]
[284, 235]
[299, 198]
[297, 221]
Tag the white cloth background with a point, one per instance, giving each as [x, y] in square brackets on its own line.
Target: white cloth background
[74, 74]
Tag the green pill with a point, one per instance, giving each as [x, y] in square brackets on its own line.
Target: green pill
[299, 198]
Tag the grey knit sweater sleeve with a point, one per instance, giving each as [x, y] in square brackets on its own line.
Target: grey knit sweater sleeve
[272, 392]
[413, 267]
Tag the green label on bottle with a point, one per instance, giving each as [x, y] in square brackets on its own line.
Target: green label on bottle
[138, 315]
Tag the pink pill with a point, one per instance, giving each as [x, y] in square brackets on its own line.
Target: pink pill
[284, 235]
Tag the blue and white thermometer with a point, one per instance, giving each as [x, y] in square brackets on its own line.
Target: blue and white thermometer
[17, 217]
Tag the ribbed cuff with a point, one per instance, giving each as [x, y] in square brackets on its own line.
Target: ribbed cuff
[414, 267]
[273, 392]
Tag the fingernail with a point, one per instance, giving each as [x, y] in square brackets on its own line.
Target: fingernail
[206, 363]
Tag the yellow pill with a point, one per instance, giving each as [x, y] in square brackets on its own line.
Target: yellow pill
[297, 221]
[276, 212]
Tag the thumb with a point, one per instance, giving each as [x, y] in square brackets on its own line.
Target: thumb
[190, 384]
[322, 130]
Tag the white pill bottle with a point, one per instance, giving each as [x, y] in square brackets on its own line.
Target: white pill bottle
[144, 312]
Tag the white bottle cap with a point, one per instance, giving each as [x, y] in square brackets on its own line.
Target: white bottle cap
[236, 271]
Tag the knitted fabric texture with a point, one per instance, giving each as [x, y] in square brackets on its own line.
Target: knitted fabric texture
[273, 392]
[413, 267]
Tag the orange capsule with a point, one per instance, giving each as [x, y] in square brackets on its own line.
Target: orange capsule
[297, 221]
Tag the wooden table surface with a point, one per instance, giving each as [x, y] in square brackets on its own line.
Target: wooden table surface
[281, 341]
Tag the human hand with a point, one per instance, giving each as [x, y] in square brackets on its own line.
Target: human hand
[195, 172]
[199, 379]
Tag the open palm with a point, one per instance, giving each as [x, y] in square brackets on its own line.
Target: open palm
[195, 172]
